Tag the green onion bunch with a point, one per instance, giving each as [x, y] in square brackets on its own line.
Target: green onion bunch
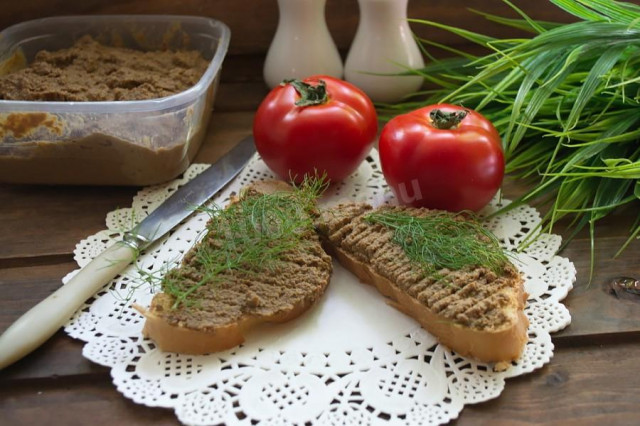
[566, 102]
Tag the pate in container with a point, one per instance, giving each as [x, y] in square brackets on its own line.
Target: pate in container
[121, 142]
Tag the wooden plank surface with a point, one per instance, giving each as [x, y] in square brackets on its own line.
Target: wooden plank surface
[583, 385]
[31, 212]
[594, 309]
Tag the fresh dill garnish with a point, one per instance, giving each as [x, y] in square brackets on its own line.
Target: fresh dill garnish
[250, 236]
[441, 241]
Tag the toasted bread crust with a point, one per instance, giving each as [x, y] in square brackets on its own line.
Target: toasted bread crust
[175, 338]
[504, 344]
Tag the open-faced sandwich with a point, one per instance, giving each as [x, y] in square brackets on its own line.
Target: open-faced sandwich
[260, 261]
[442, 269]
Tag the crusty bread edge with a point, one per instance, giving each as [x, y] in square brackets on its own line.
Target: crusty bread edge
[176, 338]
[500, 346]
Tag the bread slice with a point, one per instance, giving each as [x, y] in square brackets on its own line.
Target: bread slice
[473, 311]
[222, 310]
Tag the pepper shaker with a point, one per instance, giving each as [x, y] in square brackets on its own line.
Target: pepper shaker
[302, 45]
[384, 44]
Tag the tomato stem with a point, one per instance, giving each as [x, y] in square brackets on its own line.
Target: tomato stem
[309, 95]
[446, 120]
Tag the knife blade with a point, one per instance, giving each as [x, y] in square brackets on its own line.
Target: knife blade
[39, 323]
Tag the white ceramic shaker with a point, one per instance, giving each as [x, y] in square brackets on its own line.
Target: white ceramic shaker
[302, 45]
[383, 44]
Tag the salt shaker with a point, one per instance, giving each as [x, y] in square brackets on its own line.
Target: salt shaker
[302, 45]
[384, 44]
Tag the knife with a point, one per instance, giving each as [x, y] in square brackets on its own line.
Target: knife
[39, 323]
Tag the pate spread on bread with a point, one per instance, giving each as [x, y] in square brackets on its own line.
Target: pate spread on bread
[475, 311]
[221, 310]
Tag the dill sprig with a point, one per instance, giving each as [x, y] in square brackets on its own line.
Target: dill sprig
[442, 241]
[248, 236]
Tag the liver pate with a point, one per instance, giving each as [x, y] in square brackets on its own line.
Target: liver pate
[90, 71]
[471, 297]
[298, 278]
[96, 148]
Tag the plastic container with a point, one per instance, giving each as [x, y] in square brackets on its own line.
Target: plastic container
[108, 143]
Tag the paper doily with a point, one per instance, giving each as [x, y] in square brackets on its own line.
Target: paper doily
[351, 359]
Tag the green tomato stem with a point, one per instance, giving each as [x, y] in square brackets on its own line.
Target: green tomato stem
[446, 120]
[309, 95]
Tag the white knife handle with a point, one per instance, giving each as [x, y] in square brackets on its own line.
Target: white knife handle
[39, 323]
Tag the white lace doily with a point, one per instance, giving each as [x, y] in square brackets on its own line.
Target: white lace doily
[351, 360]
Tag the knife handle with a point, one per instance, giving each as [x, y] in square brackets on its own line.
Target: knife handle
[39, 323]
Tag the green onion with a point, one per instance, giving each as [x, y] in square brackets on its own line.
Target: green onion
[566, 102]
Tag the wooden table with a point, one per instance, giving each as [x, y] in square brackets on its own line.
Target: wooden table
[592, 379]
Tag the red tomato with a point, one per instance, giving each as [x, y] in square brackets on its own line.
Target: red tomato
[318, 125]
[442, 157]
